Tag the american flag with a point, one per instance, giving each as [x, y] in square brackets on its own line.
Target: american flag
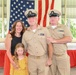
[18, 7]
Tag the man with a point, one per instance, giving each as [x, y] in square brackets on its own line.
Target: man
[35, 41]
[60, 35]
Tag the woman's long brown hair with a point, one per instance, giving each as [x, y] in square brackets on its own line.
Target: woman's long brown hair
[13, 29]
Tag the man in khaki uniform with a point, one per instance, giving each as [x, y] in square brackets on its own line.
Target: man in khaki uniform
[35, 41]
[60, 35]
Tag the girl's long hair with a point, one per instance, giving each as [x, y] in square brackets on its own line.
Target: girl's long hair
[15, 53]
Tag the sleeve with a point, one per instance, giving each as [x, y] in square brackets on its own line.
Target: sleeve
[11, 69]
[24, 41]
[67, 31]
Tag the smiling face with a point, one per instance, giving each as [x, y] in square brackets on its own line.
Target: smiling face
[20, 51]
[32, 21]
[18, 27]
[54, 20]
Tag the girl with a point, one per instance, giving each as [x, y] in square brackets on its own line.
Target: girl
[21, 61]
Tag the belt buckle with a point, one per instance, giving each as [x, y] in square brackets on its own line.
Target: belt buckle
[38, 57]
[57, 55]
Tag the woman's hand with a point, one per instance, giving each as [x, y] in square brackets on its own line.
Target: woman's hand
[14, 65]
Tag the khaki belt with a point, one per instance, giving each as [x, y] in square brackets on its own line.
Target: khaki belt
[37, 57]
[58, 54]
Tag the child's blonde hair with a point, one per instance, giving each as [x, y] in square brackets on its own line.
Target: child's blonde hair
[15, 53]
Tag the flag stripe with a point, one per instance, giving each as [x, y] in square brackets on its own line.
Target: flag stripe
[47, 20]
[43, 12]
[46, 9]
[52, 5]
[39, 11]
[36, 5]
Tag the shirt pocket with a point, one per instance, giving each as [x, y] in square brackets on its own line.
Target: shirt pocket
[60, 33]
[42, 38]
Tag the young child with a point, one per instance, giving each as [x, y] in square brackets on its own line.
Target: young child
[21, 60]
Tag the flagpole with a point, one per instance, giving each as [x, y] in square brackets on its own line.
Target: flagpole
[2, 18]
[65, 11]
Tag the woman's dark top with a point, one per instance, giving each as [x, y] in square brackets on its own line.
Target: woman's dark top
[15, 40]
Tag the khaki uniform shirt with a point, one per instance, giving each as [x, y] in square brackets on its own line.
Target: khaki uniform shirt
[36, 42]
[59, 32]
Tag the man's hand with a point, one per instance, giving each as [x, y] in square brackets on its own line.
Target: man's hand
[48, 62]
[51, 40]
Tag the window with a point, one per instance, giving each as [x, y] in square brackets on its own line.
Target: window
[3, 19]
[69, 15]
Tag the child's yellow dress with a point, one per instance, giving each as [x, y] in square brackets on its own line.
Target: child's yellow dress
[22, 68]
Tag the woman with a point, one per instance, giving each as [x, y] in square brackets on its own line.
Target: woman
[13, 38]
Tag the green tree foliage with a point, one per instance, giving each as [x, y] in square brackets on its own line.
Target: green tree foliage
[73, 29]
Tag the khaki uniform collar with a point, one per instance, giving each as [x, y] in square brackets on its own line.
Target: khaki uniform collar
[58, 25]
[38, 28]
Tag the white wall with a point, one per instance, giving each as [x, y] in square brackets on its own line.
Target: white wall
[71, 46]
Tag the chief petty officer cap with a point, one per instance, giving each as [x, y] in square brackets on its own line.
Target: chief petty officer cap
[54, 13]
[30, 13]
